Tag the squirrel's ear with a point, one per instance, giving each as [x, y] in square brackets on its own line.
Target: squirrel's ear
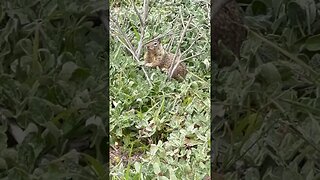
[159, 40]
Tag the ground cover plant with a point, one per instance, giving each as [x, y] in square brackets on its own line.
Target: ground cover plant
[267, 103]
[53, 82]
[158, 128]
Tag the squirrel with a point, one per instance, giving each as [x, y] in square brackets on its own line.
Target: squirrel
[226, 20]
[156, 56]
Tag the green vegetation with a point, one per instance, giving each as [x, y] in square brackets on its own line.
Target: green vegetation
[267, 104]
[52, 90]
[160, 130]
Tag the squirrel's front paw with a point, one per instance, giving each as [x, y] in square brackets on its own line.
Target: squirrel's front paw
[164, 69]
[148, 64]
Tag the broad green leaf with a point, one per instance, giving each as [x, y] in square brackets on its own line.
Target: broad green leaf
[96, 165]
[67, 69]
[26, 45]
[80, 74]
[270, 73]
[40, 110]
[54, 130]
[3, 141]
[17, 133]
[26, 156]
[172, 174]
[259, 7]
[156, 167]
[3, 164]
[312, 43]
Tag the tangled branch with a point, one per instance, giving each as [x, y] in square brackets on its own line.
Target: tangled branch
[123, 38]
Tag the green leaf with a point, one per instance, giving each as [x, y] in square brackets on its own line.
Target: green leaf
[296, 12]
[156, 167]
[1, 13]
[40, 110]
[3, 141]
[3, 164]
[312, 43]
[67, 70]
[26, 45]
[163, 178]
[96, 165]
[270, 73]
[54, 130]
[172, 174]
[26, 156]
[17, 133]
[259, 7]
[97, 121]
[252, 174]
[10, 26]
[80, 75]
[5, 50]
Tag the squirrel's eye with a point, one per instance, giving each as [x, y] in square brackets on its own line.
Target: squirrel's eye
[155, 43]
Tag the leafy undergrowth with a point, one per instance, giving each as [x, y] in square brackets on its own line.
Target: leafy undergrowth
[52, 91]
[161, 130]
[267, 104]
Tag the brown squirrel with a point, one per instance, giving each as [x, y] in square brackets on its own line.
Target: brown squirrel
[226, 20]
[156, 56]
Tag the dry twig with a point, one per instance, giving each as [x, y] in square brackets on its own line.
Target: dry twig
[174, 65]
[194, 41]
[169, 33]
[121, 35]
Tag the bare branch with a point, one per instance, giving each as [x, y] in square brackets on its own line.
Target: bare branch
[171, 70]
[137, 13]
[170, 43]
[198, 77]
[136, 54]
[176, 65]
[194, 41]
[181, 17]
[137, 59]
[123, 35]
[145, 10]
[185, 59]
[143, 25]
[160, 36]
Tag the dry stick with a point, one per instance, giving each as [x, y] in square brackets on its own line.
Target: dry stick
[131, 51]
[122, 33]
[289, 55]
[142, 24]
[170, 44]
[129, 46]
[181, 17]
[191, 45]
[198, 77]
[171, 70]
[136, 54]
[185, 60]
[145, 9]
[136, 58]
[283, 51]
[192, 56]
[137, 12]
[160, 36]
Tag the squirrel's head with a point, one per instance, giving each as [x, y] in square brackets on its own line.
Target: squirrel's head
[154, 45]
